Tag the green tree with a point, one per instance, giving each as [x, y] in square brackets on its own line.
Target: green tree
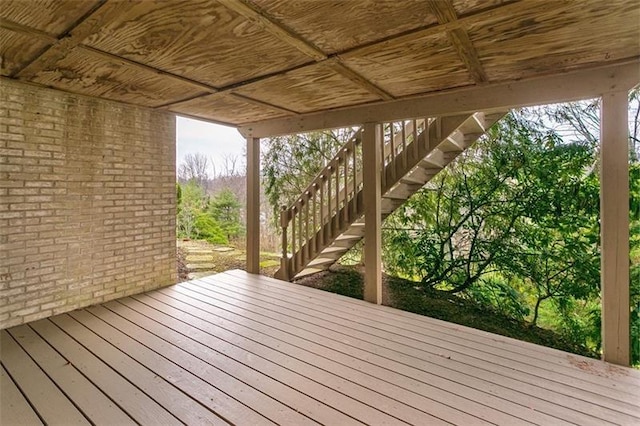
[192, 202]
[225, 209]
[207, 228]
[514, 218]
[290, 162]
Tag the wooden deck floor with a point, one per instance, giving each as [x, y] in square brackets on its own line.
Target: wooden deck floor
[241, 349]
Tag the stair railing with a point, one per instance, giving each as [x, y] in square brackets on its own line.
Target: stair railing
[331, 201]
[323, 208]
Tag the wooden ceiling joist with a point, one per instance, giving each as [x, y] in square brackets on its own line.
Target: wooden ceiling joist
[571, 86]
[137, 65]
[338, 66]
[23, 29]
[89, 24]
[263, 104]
[445, 13]
[254, 14]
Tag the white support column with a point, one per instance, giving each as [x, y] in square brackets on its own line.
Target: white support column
[614, 222]
[371, 159]
[253, 205]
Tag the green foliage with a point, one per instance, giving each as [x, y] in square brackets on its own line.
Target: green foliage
[289, 163]
[512, 225]
[193, 218]
[206, 228]
[225, 209]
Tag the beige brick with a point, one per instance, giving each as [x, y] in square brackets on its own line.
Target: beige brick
[85, 207]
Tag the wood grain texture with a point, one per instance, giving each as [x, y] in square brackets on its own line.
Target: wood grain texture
[468, 7]
[226, 108]
[94, 76]
[53, 16]
[336, 26]
[209, 43]
[445, 12]
[309, 89]
[614, 228]
[548, 37]
[418, 65]
[16, 49]
[77, 31]
[161, 52]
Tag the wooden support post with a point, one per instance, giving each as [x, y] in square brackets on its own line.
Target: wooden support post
[372, 164]
[253, 205]
[614, 221]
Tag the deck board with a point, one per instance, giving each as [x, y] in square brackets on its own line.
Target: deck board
[14, 407]
[50, 403]
[503, 399]
[84, 394]
[566, 396]
[245, 349]
[605, 374]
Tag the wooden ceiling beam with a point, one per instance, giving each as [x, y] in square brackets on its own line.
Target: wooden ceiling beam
[23, 29]
[92, 22]
[565, 87]
[101, 54]
[264, 104]
[336, 64]
[445, 13]
[286, 35]
[257, 16]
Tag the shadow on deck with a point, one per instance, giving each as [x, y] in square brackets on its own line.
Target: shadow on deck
[245, 349]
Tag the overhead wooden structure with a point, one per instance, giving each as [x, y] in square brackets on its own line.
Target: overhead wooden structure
[241, 61]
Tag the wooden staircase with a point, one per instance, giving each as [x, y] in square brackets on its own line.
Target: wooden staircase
[327, 219]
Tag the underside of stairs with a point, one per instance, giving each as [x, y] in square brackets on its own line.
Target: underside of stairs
[327, 219]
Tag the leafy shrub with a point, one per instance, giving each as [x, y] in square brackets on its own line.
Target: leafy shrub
[208, 229]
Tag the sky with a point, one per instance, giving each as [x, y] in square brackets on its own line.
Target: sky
[214, 141]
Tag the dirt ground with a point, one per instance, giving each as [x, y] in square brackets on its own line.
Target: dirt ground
[198, 258]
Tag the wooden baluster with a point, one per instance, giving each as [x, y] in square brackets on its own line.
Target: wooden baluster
[427, 133]
[404, 147]
[336, 217]
[294, 257]
[392, 159]
[329, 204]
[355, 181]
[307, 238]
[314, 234]
[415, 139]
[284, 261]
[300, 237]
[346, 187]
[380, 131]
[322, 227]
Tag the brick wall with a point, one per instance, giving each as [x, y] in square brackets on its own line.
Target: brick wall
[87, 201]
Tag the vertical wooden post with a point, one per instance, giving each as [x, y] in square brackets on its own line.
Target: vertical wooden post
[284, 260]
[372, 164]
[253, 205]
[614, 221]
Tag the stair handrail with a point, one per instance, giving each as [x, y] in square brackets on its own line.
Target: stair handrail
[301, 237]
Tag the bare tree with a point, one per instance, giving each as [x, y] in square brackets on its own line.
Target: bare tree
[195, 167]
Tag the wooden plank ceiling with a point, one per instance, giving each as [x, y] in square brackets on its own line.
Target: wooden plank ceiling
[240, 61]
